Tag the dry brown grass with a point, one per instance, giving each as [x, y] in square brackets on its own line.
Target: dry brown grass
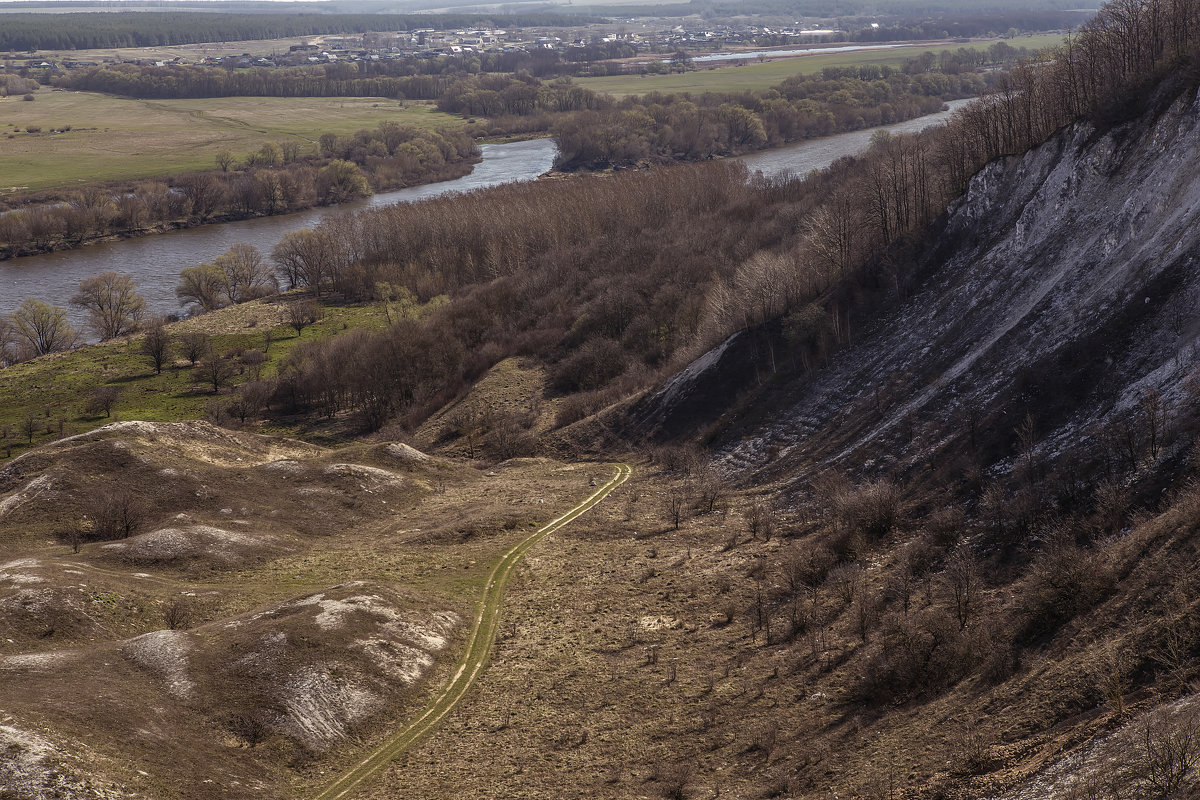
[312, 607]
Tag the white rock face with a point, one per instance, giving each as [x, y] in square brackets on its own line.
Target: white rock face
[1087, 240]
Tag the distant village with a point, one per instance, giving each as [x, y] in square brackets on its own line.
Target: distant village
[431, 43]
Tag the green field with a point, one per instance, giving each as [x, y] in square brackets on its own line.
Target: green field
[112, 138]
[57, 386]
[771, 72]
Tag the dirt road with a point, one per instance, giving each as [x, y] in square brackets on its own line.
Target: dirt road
[479, 647]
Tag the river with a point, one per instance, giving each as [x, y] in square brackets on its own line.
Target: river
[752, 55]
[803, 157]
[154, 261]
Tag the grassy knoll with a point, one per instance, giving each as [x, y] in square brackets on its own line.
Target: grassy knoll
[57, 387]
[112, 138]
[715, 78]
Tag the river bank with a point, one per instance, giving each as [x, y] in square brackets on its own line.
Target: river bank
[62, 241]
[154, 261]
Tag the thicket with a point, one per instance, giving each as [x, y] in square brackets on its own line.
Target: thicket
[97, 30]
[272, 180]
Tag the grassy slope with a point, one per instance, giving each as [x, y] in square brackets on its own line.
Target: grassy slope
[61, 383]
[772, 72]
[114, 138]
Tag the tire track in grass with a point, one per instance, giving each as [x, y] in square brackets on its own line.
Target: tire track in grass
[479, 647]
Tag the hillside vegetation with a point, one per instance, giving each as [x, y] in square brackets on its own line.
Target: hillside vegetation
[915, 512]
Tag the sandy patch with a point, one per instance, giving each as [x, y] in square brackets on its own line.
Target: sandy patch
[38, 662]
[371, 478]
[193, 541]
[31, 490]
[285, 467]
[320, 708]
[164, 653]
[404, 452]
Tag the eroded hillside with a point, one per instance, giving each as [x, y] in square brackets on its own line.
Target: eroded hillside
[187, 611]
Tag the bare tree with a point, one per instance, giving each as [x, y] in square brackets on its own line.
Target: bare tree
[251, 728]
[759, 520]
[302, 313]
[215, 370]
[42, 327]
[246, 275]
[1167, 755]
[156, 345]
[9, 340]
[29, 426]
[112, 303]
[1113, 673]
[253, 360]
[675, 505]
[194, 345]
[250, 399]
[177, 614]
[202, 286]
[116, 515]
[963, 584]
[102, 399]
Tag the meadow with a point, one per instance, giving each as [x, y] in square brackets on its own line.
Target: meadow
[771, 72]
[113, 138]
[56, 387]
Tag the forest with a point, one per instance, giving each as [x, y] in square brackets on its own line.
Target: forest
[86, 31]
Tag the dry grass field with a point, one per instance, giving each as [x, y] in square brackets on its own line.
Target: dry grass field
[111, 138]
[279, 606]
[755, 75]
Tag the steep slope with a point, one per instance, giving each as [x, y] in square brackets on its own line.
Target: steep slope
[1062, 285]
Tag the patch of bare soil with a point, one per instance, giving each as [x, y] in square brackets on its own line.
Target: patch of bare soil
[173, 546]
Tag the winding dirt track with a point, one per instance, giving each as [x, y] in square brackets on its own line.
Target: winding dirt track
[479, 647]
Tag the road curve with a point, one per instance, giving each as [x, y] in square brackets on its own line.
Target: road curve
[479, 647]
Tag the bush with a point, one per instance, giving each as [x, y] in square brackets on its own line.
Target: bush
[871, 510]
[594, 365]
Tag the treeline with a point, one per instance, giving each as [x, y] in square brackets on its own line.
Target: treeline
[955, 26]
[28, 32]
[413, 79]
[611, 280]
[660, 127]
[275, 179]
[190, 81]
[828, 9]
